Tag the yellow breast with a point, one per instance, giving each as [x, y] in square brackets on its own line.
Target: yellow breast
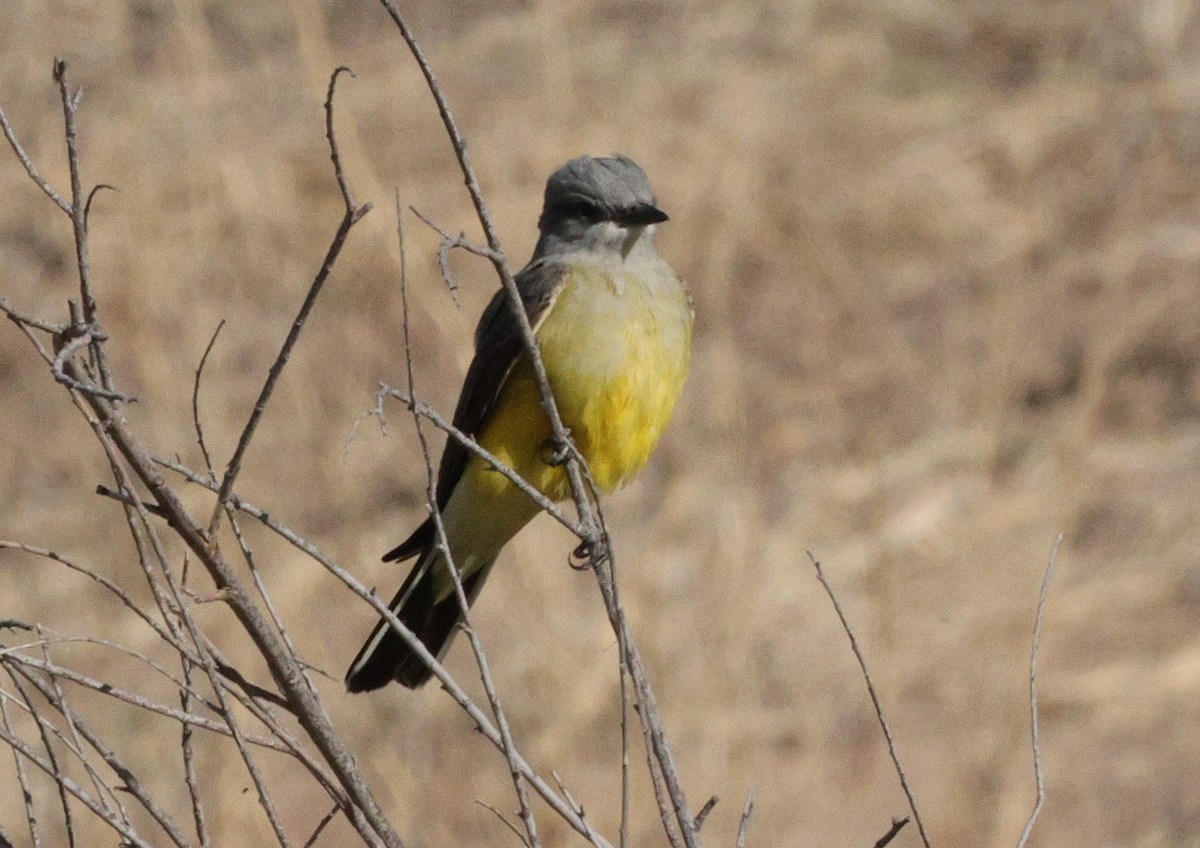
[616, 345]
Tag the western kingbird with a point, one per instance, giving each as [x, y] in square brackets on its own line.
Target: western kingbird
[614, 326]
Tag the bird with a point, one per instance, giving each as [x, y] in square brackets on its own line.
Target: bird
[613, 324]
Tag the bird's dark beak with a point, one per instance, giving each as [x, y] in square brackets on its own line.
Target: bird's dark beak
[641, 215]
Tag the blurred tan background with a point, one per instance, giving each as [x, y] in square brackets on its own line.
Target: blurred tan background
[944, 259]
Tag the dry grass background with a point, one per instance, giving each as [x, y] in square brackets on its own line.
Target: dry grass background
[944, 257]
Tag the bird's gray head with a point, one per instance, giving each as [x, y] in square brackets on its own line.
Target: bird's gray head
[598, 203]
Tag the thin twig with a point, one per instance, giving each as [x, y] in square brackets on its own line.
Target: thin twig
[19, 319]
[321, 825]
[301, 699]
[187, 749]
[105, 688]
[334, 154]
[425, 410]
[178, 616]
[129, 500]
[27, 163]
[449, 243]
[256, 579]
[59, 703]
[74, 745]
[887, 730]
[108, 584]
[504, 820]
[352, 216]
[196, 400]
[35, 837]
[623, 831]
[1033, 693]
[96, 189]
[459, 241]
[886, 839]
[704, 811]
[670, 828]
[744, 822]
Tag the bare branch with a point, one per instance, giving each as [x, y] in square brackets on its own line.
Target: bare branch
[656, 784]
[78, 211]
[1033, 693]
[27, 163]
[364, 813]
[449, 243]
[187, 750]
[887, 730]
[353, 216]
[451, 686]
[27, 320]
[334, 153]
[129, 781]
[108, 584]
[105, 688]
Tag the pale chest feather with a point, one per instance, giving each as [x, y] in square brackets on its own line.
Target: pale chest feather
[616, 345]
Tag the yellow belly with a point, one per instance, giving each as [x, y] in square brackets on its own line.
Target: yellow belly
[616, 345]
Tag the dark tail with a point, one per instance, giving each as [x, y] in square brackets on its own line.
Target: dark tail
[385, 656]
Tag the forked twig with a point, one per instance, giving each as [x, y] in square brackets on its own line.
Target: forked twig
[78, 212]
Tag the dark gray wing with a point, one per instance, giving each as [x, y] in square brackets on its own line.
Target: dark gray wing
[498, 346]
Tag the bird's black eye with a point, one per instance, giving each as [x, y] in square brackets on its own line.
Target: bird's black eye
[584, 209]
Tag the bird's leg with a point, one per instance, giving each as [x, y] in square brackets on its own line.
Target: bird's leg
[588, 555]
[555, 453]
